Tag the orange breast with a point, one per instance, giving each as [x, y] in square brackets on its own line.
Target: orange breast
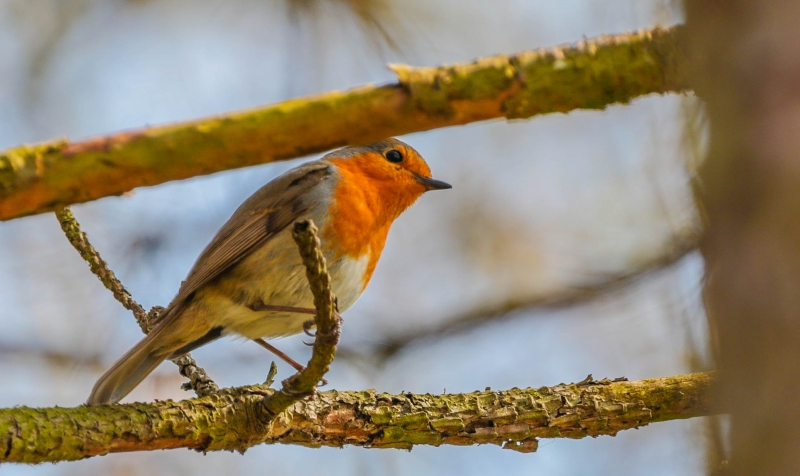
[358, 223]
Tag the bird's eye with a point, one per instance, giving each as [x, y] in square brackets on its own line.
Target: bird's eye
[394, 156]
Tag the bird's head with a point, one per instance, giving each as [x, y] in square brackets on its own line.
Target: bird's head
[377, 182]
[390, 168]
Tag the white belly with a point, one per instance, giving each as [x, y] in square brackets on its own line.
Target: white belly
[275, 275]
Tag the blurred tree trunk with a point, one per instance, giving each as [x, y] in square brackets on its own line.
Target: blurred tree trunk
[746, 64]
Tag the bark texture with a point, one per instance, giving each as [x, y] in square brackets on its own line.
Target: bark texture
[746, 66]
[591, 74]
[236, 419]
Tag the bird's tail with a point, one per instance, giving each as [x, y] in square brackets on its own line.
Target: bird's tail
[160, 344]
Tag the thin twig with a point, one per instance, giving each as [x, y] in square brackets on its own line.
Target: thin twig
[680, 245]
[304, 383]
[199, 381]
[99, 267]
[273, 370]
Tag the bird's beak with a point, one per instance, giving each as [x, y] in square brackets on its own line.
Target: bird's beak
[432, 184]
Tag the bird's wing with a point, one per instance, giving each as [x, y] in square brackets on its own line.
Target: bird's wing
[268, 211]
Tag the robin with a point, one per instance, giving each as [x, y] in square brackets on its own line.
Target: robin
[250, 281]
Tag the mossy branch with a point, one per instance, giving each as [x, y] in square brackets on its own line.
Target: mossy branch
[235, 419]
[591, 74]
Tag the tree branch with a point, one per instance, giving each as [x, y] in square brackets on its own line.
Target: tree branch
[328, 325]
[591, 74]
[236, 419]
[199, 381]
[676, 248]
[79, 241]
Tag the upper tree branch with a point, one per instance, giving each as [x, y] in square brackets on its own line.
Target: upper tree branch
[236, 419]
[591, 74]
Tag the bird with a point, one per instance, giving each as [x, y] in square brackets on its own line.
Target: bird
[250, 281]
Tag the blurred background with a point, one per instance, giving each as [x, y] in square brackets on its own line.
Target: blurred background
[567, 241]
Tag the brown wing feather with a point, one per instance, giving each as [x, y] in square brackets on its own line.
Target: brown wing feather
[268, 211]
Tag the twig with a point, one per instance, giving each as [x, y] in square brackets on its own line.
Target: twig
[199, 380]
[304, 383]
[680, 245]
[99, 268]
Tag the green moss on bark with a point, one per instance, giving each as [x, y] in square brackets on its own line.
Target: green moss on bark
[589, 75]
[235, 419]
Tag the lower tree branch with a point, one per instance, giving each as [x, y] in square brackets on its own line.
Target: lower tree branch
[236, 419]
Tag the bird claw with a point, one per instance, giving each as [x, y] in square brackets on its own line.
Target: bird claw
[293, 393]
[307, 326]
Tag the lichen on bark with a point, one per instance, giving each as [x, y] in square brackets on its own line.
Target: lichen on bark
[235, 419]
[591, 74]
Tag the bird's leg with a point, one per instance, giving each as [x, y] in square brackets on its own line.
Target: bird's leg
[260, 306]
[307, 326]
[284, 357]
[280, 354]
